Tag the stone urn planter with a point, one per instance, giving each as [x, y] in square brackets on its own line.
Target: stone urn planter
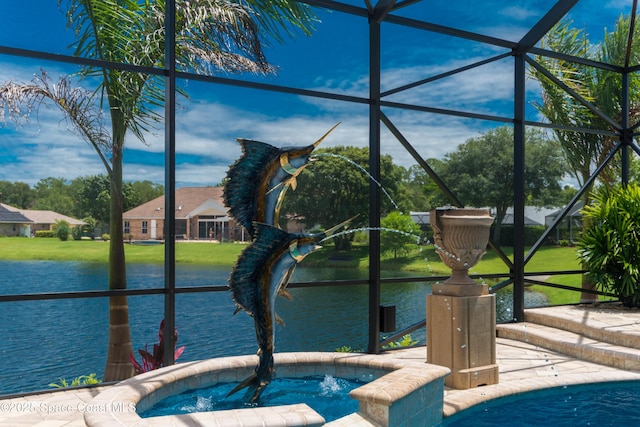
[461, 237]
[461, 314]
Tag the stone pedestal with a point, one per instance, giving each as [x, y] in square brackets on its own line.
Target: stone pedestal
[461, 315]
[461, 336]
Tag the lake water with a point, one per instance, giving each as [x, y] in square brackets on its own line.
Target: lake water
[42, 341]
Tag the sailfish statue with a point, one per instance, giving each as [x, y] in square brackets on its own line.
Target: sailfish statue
[254, 190]
[261, 273]
[257, 181]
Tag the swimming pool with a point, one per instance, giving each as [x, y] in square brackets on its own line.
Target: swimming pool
[599, 404]
[328, 396]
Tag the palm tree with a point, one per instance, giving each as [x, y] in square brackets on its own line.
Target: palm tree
[602, 88]
[211, 36]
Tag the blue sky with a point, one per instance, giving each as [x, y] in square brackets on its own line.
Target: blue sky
[335, 59]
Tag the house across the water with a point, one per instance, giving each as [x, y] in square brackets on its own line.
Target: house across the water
[13, 223]
[25, 222]
[200, 215]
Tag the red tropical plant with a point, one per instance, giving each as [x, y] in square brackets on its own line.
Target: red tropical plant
[155, 360]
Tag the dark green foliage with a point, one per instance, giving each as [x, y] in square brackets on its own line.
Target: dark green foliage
[85, 197]
[610, 246]
[480, 171]
[76, 232]
[45, 233]
[53, 194]
[89, 226]
[16, 194]
[531, 235]
[333, 189]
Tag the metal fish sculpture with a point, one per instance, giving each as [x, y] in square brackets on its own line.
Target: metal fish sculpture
[257, 181]
[261, 273]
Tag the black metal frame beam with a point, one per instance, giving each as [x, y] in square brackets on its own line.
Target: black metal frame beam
[375, 17]
[542, 27]
[170, 182]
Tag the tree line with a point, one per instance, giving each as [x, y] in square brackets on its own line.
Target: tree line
[83, 197]
[479, 173]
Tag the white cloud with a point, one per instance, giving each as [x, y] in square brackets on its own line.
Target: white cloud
[519, 12]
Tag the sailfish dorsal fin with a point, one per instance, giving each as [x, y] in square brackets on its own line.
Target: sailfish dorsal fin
[244, 176]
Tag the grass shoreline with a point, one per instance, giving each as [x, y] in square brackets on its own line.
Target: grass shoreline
[422, 261]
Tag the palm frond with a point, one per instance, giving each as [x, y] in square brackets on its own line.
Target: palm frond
[20, 100]
[280, 18]
[212, 36]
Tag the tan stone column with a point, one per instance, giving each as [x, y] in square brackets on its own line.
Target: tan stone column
[461, 336]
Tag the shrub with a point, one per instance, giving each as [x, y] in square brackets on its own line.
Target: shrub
[89, 226]
[61, 229]
[106, 237]
[45, 233]
[76, 232]
[610, 246]
[531, 234]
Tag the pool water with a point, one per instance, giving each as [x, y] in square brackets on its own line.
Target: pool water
[328, 396]
[602, 404]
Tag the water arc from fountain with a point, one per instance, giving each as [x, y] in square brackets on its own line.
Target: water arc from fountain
[348, 160]
[355, 230]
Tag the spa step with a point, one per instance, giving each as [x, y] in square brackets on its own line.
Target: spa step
[572, 344]
[606, 322]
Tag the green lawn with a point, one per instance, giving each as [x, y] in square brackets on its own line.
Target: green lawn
[20, 248]
[545, 259]
[423, 261]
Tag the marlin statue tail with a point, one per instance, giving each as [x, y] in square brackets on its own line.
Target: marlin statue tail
[257, 181]
[263, 271]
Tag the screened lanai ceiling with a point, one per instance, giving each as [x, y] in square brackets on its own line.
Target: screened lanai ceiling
[502, 20]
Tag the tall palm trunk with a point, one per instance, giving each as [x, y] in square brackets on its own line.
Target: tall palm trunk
[118, 365]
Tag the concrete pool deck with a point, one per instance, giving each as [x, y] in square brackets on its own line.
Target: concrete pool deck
[577, 348]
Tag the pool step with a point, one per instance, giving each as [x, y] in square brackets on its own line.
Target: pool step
[572, 344]
[609, 322]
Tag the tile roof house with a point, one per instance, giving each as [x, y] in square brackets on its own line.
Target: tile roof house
[13, 223]
[200, 215]
[36, 220]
